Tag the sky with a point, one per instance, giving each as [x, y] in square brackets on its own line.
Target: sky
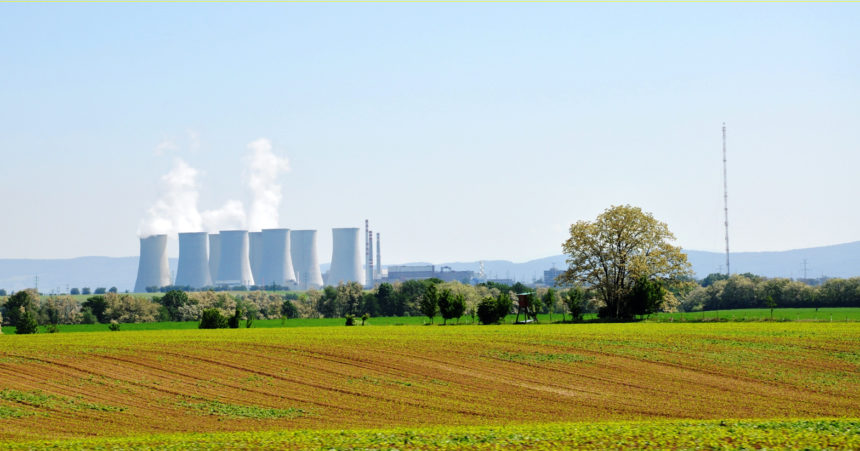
[461, 131]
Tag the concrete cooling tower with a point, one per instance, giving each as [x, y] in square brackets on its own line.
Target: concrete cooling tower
[214, 255]
[255, 255]
[277, 262]
[234, 266]
[152, 268]
[193, 269]
[345, 257]
[303, 249]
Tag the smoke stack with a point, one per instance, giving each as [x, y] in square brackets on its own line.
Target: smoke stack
[368, 254]
[214, 255]
[277, 261]
[152, 268]
[234, 267]
[193, 270]
[304, 253]
[345, 257]
[255, 255]
[378, 266]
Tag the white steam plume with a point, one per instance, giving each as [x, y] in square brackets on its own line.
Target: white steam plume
[262, 169]
[176, 207]
[229, 217]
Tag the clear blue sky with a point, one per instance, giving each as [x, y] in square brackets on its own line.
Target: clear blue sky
[462, 131]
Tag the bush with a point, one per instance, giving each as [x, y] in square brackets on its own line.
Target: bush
[87, 317]
[18, 303]
[503, 305]
[52, 328]
[350, 319]
[26, 323]
[364, 318]
[100, 290]
[114, 326]
[75, 291]
[85, 290]
[289, 310]
[233, 321]
[97, 305]
[213, 319]
[488, 311]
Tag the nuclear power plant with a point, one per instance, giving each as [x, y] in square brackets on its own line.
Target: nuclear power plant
[152, 268]
[271, 257]
[345, 257]
[193, 269]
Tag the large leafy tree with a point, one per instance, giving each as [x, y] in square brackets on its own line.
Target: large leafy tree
[622, 245]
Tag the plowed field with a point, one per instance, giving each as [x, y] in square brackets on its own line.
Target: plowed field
[132, 383]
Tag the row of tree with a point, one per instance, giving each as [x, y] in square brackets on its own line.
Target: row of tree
[750, 291]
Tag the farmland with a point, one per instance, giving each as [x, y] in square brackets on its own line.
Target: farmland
[437, 382]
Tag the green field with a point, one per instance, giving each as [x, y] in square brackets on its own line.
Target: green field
[766, 434]
[735, 385]
[799, 314]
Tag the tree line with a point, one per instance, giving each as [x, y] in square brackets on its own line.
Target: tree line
[720, 292]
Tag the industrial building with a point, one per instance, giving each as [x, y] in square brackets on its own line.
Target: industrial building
[193, 269]
[305, 263]
[277, 266]
[400, 273]
[550, 275]
[234, 265]
[345, 257]
[152, 268]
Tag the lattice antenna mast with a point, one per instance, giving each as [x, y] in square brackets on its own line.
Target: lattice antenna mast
[726, 201]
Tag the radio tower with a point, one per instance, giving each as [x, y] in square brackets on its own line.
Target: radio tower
[726, 201]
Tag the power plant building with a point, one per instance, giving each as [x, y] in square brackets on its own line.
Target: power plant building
[193, 269]
[345, 257]
[400, 273]
[152, 267]
[303, 250]
[234, 265]
[277, 264]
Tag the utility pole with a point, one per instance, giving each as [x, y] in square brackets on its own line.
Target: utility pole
[726, 201]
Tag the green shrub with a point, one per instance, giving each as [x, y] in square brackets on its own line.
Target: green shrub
[52, 328]
[233, 321]
[488, 311]
[350, 319]
[213, 319]
[114, 326]
[26, 323]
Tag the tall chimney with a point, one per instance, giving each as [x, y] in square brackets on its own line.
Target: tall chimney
[378, 265]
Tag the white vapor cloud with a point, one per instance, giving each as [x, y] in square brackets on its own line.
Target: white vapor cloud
[176, 207]
[164, 146]
[229, 217]
[262, 169]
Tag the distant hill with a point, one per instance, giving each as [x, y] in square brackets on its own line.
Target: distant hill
[841, 260]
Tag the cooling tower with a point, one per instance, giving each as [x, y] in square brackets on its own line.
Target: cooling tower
[214, 255]
[234, 266]
[255, 243]
[193, 269]
[345, 257]
[303, 249]
[277, 261]
[152, 269]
